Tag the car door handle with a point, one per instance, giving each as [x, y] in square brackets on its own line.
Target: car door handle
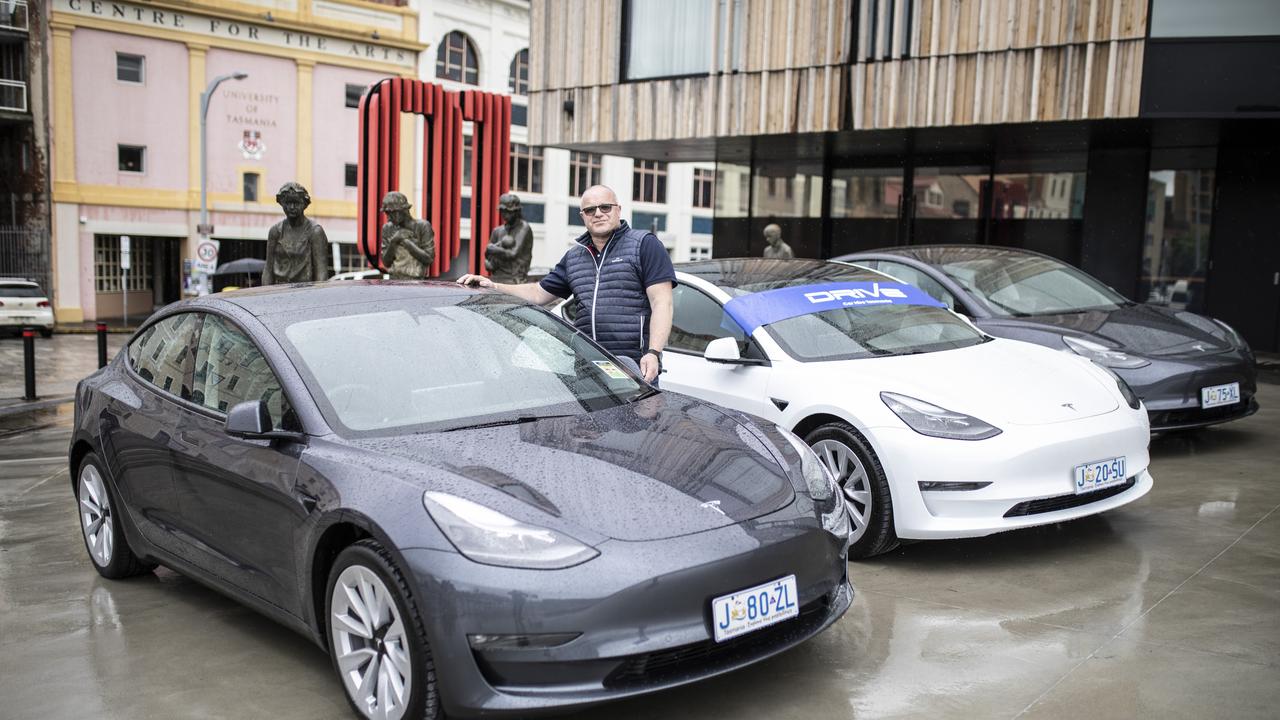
[187, 439]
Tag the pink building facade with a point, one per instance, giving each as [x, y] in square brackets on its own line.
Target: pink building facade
[125, 87]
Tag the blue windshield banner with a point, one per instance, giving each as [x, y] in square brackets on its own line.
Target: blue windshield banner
[770, 306]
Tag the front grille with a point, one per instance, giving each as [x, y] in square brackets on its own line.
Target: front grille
[708, 655]
[1064, 502]
[1198, 416]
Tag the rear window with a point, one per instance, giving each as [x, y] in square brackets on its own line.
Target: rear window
[22, 291]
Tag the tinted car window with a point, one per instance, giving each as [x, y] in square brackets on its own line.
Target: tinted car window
[912, 276]
[857, 332]
[485, 359]
[1022, 285]
[22, 291]
[229, 369]
[698, 320]
[161, 353]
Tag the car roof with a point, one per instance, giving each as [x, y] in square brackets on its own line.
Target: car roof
[18, 281]
[737, 272]
[945, 254]
[274, 299]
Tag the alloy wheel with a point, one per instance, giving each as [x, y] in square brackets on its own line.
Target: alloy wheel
[370, 642]
[850, 474]
[95, 515]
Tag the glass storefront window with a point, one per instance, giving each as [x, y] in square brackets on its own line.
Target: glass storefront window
[734, 196]
[790, 191]
[951, 195]
[1035, 196]
[865, 192]
[1175, 249]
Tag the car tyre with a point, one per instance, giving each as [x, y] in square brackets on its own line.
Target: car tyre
[46, 332]
[376, 637]
[100, 525]
[849, 457]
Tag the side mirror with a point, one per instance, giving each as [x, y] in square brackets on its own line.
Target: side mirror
[248, 419]
[251, 420]
[722, 350]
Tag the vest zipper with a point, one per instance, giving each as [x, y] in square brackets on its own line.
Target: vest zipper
[596, 292]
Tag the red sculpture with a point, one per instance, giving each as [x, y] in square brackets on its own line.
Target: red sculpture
[445, 111]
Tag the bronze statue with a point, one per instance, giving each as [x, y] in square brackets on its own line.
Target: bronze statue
[297, 247]
[510, 245]
[776, 249]
[408, 245]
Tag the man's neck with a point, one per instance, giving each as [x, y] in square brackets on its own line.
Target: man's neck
[601, 240]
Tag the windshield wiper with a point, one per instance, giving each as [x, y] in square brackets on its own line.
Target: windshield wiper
[645, 392]
[518, 420]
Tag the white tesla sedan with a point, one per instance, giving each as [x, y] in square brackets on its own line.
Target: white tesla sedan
[933, 429]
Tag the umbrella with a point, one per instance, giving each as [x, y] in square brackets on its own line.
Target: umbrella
[243, 265]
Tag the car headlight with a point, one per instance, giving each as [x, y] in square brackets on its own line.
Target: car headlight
[934, 421]
[1130, 397]
[1103, 355]
[489, 537]
[823, 489]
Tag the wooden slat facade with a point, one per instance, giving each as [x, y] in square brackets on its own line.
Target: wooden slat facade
[827, 65]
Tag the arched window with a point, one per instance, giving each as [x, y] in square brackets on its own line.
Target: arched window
[456, 59]
[519, 79]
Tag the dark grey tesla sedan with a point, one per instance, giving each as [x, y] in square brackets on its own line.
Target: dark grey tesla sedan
[1190, 371]
[472, 507]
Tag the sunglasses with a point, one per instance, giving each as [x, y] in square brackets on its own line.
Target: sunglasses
[605, 208]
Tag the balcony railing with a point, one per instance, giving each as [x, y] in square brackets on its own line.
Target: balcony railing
[13, 94]
[13, 16]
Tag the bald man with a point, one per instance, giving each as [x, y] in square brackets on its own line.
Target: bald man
[621, 279]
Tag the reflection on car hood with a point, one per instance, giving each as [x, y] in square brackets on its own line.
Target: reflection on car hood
[666, 466]
[1142, 329]
[1004, 382]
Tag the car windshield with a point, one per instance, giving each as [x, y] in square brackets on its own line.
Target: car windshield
[1014, 284]
[22, 291]
[485, 360]
[847, 333]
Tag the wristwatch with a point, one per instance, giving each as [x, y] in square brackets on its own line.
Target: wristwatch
[657, 354]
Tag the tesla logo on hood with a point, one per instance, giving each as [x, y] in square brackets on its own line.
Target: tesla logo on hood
[1069, 406]
[712, 505]
[854, 293]
[1199, 347]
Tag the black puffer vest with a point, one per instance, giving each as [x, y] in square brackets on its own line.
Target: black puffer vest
[612, 305]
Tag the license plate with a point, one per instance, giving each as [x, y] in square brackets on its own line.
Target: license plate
[1099, 474]
[751, 609]
[1228, 394]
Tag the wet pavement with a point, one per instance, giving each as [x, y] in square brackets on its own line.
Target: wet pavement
[1169, 607]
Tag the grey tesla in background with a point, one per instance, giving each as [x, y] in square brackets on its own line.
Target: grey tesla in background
[1189, 370]
[471, 507]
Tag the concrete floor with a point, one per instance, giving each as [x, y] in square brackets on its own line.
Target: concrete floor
[1169, 607]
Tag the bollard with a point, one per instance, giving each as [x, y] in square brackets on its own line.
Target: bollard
[29, 362]
[102, 345]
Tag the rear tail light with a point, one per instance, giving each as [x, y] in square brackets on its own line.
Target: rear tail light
[43, 303]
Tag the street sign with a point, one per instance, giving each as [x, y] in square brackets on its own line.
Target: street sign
[205, 229]
[207, 256]
[124, 252]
